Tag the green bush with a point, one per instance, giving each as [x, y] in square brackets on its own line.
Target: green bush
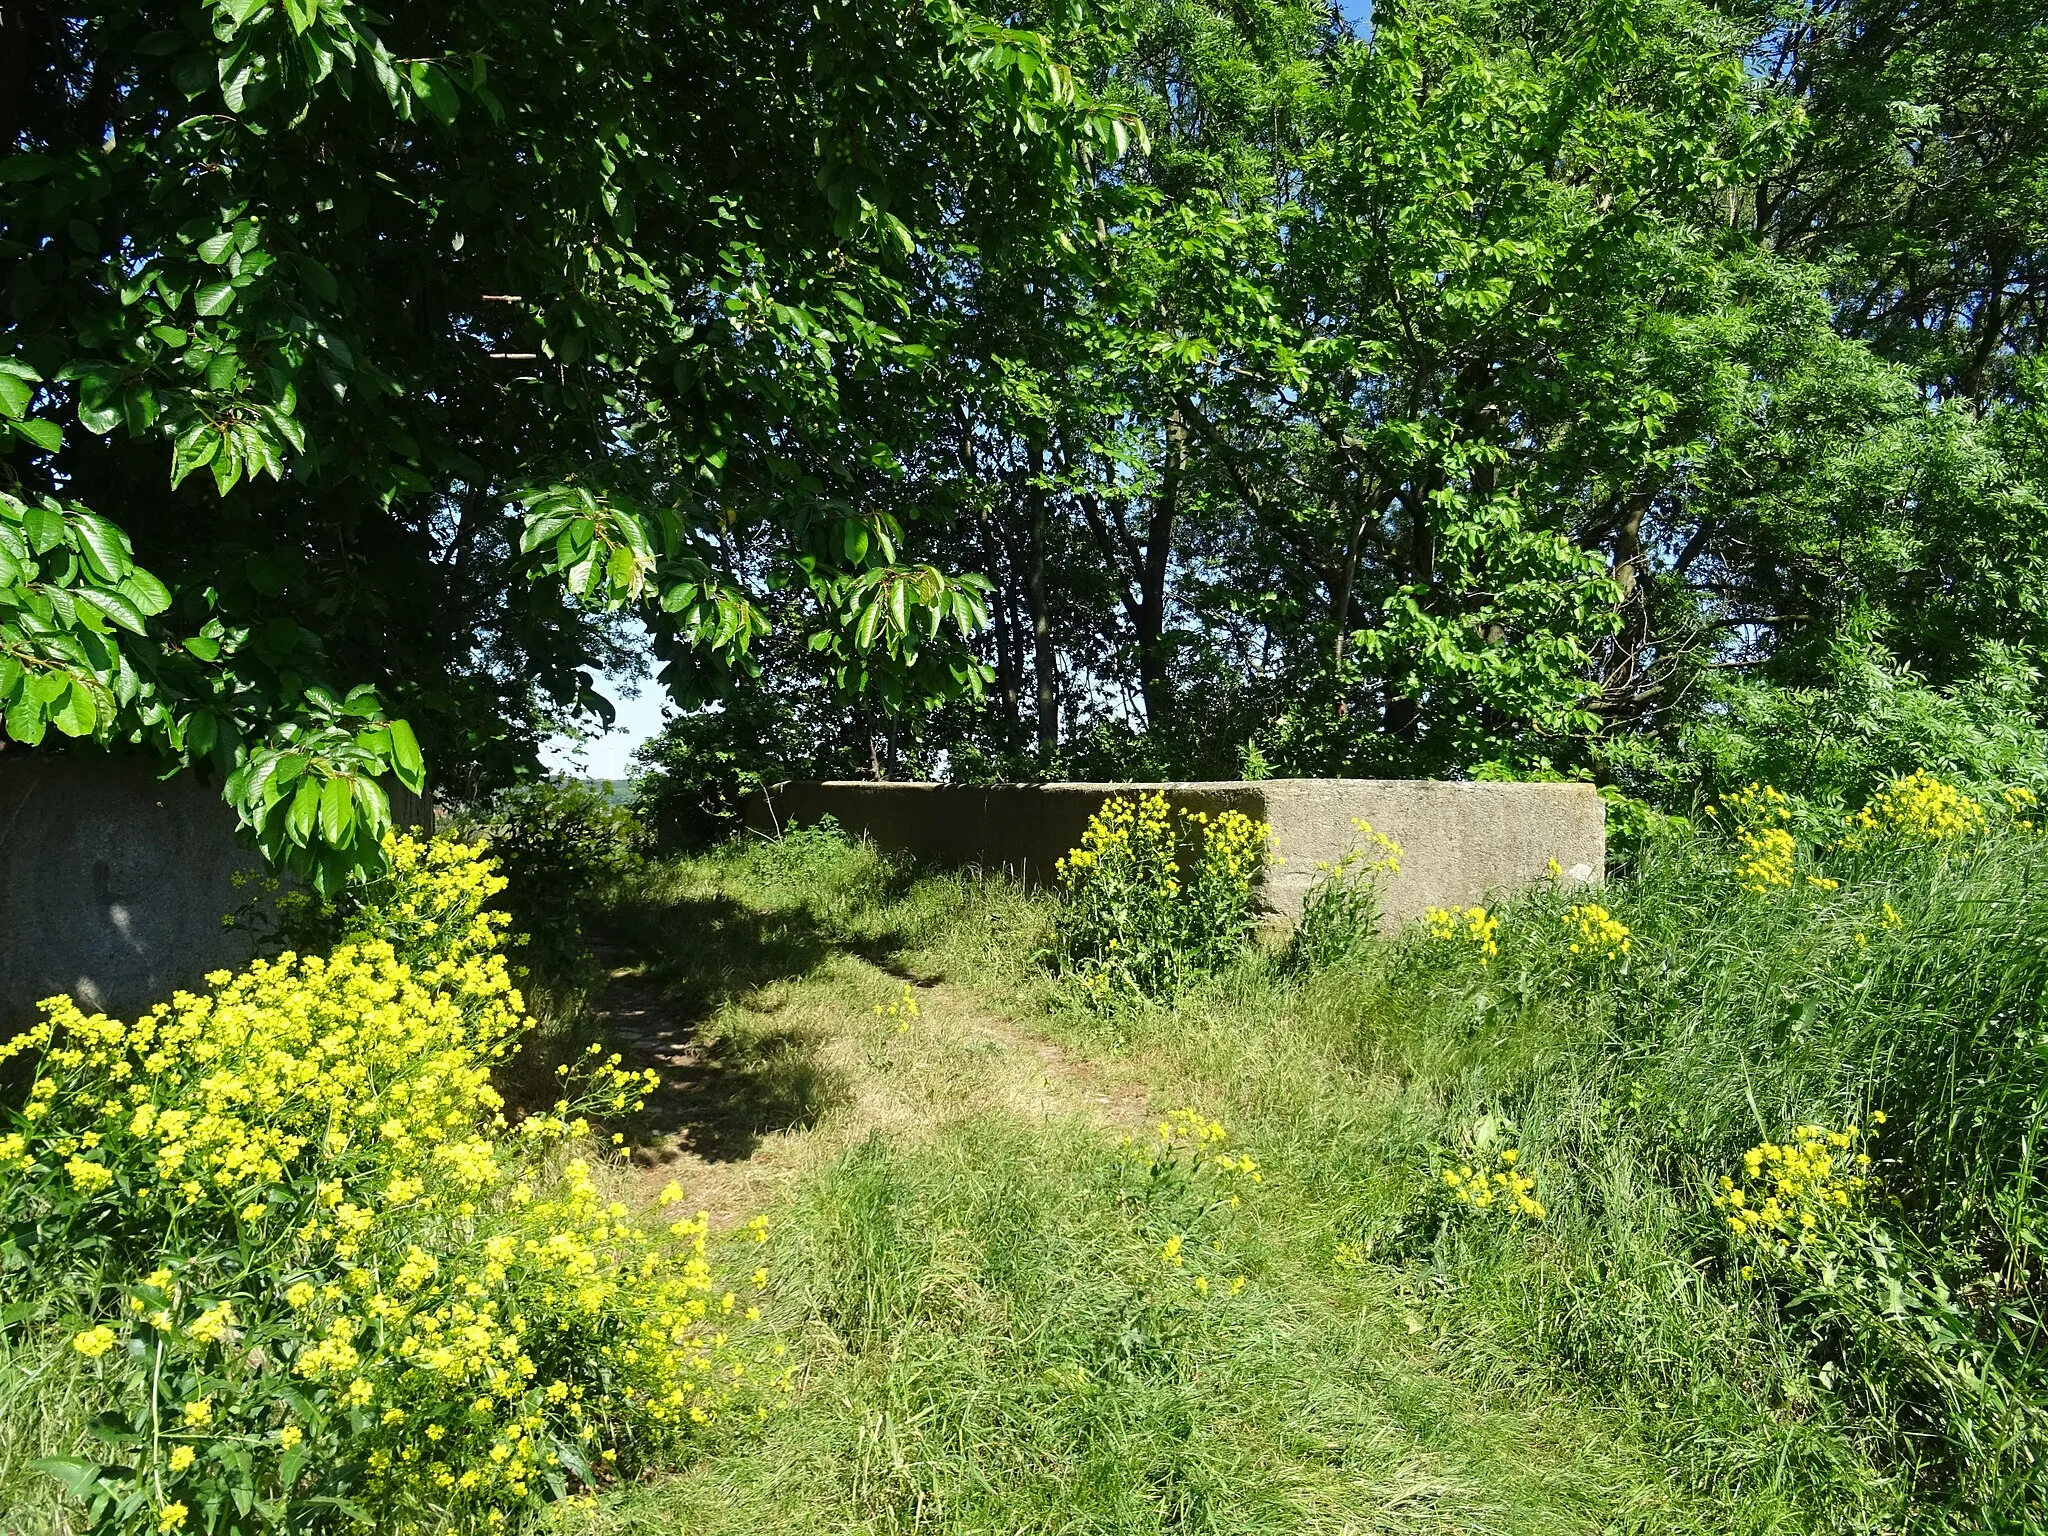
[310, 1273]
[559, 844]
[1130, 923]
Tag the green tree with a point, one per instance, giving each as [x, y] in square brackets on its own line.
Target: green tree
[325, 334]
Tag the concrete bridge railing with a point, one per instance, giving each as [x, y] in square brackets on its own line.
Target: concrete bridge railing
[113, 882]
[1461, 843]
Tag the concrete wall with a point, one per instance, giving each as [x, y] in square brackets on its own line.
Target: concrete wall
[1461, 843]
[113, 883]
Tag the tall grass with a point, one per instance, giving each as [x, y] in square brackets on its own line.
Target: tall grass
[1900, 1382]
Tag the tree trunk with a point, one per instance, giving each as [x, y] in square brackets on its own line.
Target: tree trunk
[1045, 658]
[17, 39]
[1153, 678]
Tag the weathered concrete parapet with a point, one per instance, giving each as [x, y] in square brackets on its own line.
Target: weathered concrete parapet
[113, 882]
[1461, 843]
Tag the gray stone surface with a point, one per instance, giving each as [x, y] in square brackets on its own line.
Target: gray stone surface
[1461, 843]
[113, 882]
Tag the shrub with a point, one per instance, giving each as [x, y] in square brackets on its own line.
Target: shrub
[1342, 909]
[559, 844]
[1128, 923]
[320, 1280]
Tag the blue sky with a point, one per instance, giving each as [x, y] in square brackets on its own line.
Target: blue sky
[610, 756]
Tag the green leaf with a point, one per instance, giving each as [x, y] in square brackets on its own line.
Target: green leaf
[100, 415]
[45, 434]
[25, 719]
[215, 250]
[194, 450]
[432, 88]
[45, 528]
[406, 760]
[78, 1477]
[115, 607]
[214, 298]
[78, 714]
[373, 808]
[304, 814]
[17, 386]
[101, 541]
[205, 647]
[337, 812]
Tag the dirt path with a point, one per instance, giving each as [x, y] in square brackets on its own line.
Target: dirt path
[795, 1073]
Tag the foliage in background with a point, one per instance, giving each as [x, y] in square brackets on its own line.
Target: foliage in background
[319, 1279]
[1156, 896]
[558, 843]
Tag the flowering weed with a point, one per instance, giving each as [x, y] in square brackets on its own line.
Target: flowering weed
[319, 1278]
[1155, 896]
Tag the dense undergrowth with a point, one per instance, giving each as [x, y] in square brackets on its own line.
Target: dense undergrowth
[276, 1258]
[1705, 1202]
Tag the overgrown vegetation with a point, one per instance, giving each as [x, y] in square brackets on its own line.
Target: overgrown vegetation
[1155, 896]
[279, 1245]
[1551, 1163]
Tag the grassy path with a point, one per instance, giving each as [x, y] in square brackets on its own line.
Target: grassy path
[1007, 1323]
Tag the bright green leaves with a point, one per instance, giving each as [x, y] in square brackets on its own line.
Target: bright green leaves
[601, 548]
[18, 385]
[311, 795]
[69, 591]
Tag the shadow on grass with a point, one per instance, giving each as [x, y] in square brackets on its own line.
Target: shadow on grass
[683, 961]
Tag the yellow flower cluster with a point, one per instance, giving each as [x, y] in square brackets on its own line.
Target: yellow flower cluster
[1234, 846]
[1129, 829]
[1759, 816]
[1794, 1196]
[903, 1010]
[1595, 931]
[2020, 804]
[1474, 926]
[1503, 1187]
[1919, 809]
[473, 1325]
[1133, 917]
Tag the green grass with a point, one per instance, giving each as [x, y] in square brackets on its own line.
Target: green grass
[963, 1301]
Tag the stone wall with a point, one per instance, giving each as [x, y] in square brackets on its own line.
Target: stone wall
[113, 882]
[1461, 843]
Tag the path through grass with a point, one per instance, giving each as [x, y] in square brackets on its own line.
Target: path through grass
[1010, 1321]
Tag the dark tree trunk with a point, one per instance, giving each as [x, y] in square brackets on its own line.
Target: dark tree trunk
[1154, 679]
[1045, 655]
[17, 43]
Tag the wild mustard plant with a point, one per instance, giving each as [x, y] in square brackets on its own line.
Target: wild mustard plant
[1795, 1198]
[1188, 1174]
[900, 1012]
[1133, 919]
[319, 1276]
[1758, 819]
[1470, 928]
[1595, 932]
[1919, 809]
[1343, 906]
[1498, 1185]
